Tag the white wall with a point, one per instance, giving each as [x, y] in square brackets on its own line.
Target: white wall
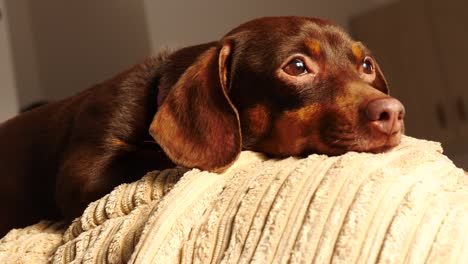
[81, 43]
[23, 52]
[178, 23]
[8, 97]
[62, 47]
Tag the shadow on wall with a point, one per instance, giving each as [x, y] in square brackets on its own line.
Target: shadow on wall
[426, 66]
[63, 47]
[60, 48]
[181, 23]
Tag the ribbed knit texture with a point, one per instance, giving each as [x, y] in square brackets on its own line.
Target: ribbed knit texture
[408, 205]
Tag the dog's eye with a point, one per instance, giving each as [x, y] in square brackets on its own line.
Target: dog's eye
[296, 67]
[368, 65]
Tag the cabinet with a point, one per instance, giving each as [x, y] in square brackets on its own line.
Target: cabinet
[422, 47]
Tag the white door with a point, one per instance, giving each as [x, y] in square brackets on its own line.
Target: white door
[8, 96]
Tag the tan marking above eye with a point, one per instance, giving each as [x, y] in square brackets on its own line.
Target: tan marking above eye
[314, 46]
[357, 51]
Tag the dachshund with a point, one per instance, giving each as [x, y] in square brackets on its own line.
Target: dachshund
[282, 86]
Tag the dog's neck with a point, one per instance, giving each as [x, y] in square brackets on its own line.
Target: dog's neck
[159, 96]
[162, 89]
[172, 65]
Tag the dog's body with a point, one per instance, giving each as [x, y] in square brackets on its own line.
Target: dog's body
[282, 86]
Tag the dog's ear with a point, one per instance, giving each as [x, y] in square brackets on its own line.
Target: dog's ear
[380, 82]
[197, 125]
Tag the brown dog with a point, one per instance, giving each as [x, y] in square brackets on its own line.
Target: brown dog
[282, 86]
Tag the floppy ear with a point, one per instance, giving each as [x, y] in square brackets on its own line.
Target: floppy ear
[197, 125]
[380, 83]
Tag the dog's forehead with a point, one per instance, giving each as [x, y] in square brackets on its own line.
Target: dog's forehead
[327, 38]
[290, 34]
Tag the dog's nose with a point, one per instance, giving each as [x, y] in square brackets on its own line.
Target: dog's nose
[386, 115]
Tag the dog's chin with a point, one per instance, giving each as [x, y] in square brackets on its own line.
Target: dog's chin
[389, 144]
[333, 146]
[377, 143]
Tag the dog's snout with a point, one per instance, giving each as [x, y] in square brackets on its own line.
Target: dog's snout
[386, 115]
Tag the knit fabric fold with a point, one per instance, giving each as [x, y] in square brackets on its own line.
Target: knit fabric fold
[407, 205]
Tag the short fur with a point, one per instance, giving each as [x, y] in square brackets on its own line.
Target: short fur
[202, 105]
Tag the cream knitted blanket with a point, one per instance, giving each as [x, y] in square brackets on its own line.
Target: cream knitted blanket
[408, 205]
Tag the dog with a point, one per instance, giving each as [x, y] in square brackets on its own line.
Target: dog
[283, 86]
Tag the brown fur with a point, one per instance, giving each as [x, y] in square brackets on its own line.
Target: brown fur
[202, 105]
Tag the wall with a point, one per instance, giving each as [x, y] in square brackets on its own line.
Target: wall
[425, 64]
[23, 51]
[8, 97]
[178, 23]
[79, 43]
[62, 47]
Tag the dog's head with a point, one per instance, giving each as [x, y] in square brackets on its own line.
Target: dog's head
[282, 86]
